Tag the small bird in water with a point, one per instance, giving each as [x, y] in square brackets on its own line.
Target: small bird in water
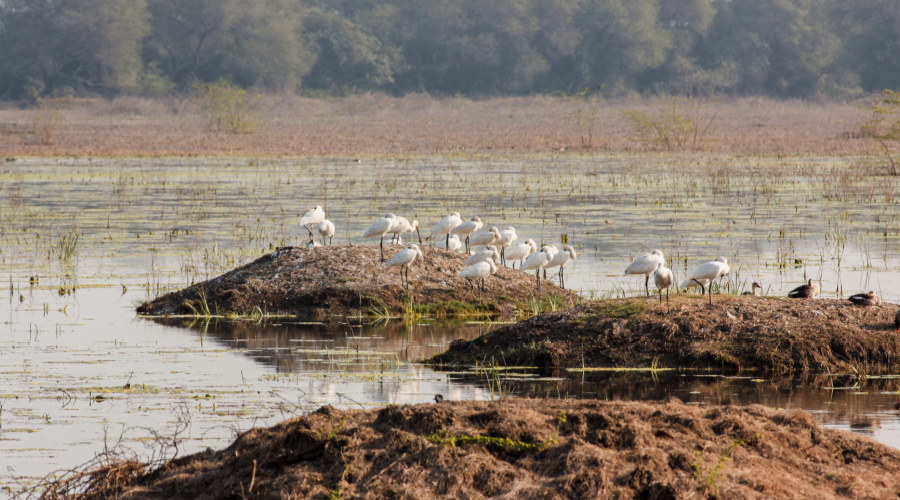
[807, 291]
[865, 299]
[756, 290]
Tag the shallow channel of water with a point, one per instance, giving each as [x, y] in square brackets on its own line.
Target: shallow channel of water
[79, 369]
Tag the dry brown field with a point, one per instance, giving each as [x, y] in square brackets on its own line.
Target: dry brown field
[372, 124]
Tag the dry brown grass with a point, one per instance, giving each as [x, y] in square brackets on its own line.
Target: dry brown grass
[416, 124]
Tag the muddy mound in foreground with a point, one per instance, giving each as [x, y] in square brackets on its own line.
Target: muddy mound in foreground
[773, 334]
[524, 449]
[350, 280]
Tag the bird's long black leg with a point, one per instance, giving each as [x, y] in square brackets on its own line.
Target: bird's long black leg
[702, 288]
[647, 284]
[382, 248]
[467, 243]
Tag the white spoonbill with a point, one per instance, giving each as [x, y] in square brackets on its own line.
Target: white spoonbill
[536, 261]
[446, 225]
[507, 236]
[485, 238]
[326, 229]
[646, 264]
[479, 270]
[312, 218]
[403, 259]
[468, 228]
[807, 291]
[551, 251]
[709, 272]
[663, 279]
[521, 251]
[453, 244]
[488, 253]
[560, 259]
[404, 226]
[381, 227]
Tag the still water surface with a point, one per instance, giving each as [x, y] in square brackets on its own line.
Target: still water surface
[80, 371]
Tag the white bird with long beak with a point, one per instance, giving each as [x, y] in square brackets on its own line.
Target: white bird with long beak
[489, 253]
[381, 227]
[663, 279]
[326, 229]
[646, 264]
[467, 228]
[485, 238]
[561, 259]
[403, 259]
[312, 218]
[479, 270]
[521, 251]
[536, 261]
[709, 272]
[446, 225]
[405, 226]
[453, 244]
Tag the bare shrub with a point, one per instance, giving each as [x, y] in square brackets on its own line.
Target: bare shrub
[227, 107]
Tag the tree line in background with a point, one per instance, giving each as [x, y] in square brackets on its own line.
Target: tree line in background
[777, 48]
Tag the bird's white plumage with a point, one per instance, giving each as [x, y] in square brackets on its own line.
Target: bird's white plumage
[381, 227]
[314, 216]
[326, 229]
[453, 244]
[446, 224]
[521, 251]
[663, 277]
[507, 236]
[404, 257]
[690, 283]
[468, 227]
[561, 258]
[710, 270]
[537, 260]
[489, 253]
[646, 264]
[479, 270]
[485, 238]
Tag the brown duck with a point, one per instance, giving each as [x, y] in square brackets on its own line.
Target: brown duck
[897, 320]
[808, 291]
[865, 299]
[757, 290]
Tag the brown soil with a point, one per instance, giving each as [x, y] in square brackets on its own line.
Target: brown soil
[348, 280]
[773, 334]
[523, 448]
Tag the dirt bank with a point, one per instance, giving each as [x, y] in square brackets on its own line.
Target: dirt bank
[348, 280]
[773, 334]
[522, 448]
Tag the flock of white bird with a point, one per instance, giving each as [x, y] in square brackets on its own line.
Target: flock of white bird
[487, 246]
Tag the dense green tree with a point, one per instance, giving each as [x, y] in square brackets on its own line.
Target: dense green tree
[780, 47]
[871, 33]
[71, 45]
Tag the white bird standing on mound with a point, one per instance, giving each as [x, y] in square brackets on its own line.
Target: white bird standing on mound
[404, 226]
[707, 273]
[453, 244]
[381, 227]
[663, 278]
[536, 261]
[326, 229]
[646, 264]
[479, 270]
[468, 228]
[485, 238]
[489, 253]
[560, 259]
[507, 236]
[521, 251]
[312, 218]
[446, 225]
[403, 259]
